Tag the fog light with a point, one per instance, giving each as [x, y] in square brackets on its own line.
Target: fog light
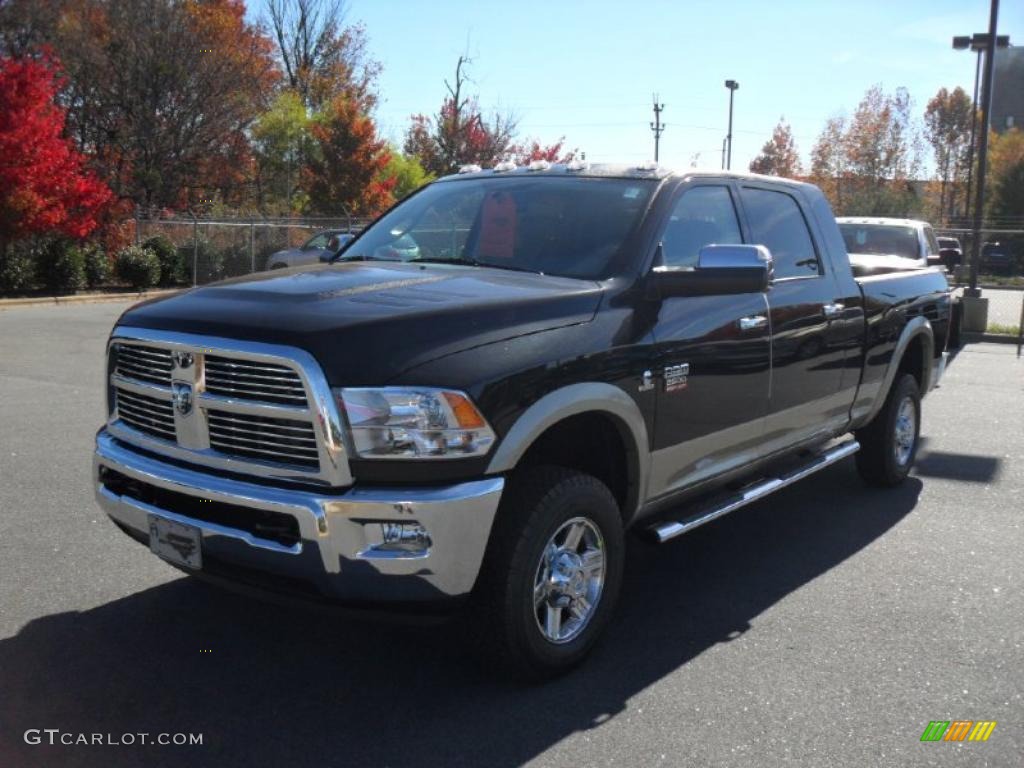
[403, 537]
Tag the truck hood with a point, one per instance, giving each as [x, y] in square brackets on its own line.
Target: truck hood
[366, 322]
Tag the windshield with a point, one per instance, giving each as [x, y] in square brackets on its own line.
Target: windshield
[883, 239]
[565, 226]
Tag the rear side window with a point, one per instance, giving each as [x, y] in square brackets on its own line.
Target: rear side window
[703, 216]
[777, 223]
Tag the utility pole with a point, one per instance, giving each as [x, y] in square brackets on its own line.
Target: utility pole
[657, 127]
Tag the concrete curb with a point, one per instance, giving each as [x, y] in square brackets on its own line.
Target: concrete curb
[997, 338]
[87, 298]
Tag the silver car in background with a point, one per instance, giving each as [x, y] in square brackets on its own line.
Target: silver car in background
[321, 247]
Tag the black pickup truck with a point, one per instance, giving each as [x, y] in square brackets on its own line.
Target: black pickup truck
[569, 353]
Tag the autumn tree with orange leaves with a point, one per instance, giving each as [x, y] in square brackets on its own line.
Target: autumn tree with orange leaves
[346, 173]
[779, 155]
[867, 164]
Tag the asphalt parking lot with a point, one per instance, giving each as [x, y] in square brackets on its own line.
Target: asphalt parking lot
[824, 627]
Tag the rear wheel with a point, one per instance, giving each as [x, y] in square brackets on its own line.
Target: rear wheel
[552, 573]
[889, 442]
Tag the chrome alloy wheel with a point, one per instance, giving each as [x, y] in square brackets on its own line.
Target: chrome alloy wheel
[906, 431]
[569, 579]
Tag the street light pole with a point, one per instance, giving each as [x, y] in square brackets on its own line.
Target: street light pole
[732, 85]
[986, 105]
[978, 43]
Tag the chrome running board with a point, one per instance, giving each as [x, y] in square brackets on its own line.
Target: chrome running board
[669, 529]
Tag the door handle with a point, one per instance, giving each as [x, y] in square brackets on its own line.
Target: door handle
[833, 310]
[752, 323]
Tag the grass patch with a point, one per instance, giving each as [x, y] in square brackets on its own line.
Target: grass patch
[1005, 330]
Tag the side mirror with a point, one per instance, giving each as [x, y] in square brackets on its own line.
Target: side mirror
[720, 270]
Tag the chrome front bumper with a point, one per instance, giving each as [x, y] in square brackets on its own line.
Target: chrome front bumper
[338, 553]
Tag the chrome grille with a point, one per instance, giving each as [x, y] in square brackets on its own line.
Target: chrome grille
[143, 363]
[147, 414]
[237, 406]
[251, 380]
[263, 438]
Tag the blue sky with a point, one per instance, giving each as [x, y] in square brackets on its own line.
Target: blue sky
[587, 70]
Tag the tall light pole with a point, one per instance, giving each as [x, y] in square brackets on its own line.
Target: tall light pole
[977, 43]
[975, 308]
[732, 85]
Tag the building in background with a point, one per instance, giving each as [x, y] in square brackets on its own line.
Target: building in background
[1008, 89]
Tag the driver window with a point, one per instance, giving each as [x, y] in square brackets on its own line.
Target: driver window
[703, 216]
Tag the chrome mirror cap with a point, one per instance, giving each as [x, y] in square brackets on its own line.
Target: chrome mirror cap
[736, 257]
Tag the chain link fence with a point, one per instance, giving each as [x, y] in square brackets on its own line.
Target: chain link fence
[215, 249]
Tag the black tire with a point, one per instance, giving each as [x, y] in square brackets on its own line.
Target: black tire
[278, 266]
[884, 458]
[539, 503]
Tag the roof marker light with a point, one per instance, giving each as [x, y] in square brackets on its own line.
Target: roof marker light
[504, 165]
[538, 165]
[470, 168]
[577, 165]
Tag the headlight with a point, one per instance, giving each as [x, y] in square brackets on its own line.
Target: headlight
[414, 423]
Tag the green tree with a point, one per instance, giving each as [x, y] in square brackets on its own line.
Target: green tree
[407, 172]
[282, 143]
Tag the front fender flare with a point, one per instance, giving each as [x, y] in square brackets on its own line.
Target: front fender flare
[573, 400]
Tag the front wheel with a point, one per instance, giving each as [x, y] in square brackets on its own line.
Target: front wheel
[552, 572]
[888, 445]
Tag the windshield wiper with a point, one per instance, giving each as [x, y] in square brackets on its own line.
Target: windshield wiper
[473, 263]
[356, 257]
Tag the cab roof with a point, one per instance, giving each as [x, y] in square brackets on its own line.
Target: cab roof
[604, 170]
[882, 220]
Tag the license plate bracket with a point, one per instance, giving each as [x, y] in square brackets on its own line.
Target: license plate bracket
[176, 542]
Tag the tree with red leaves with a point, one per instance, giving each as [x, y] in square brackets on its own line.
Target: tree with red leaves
[532, 151]
[44, 183]
[347, 173]
[459, 134]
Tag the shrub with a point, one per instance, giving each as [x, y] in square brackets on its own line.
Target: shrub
[16, 272]
[210, 262]
[236, 260]
[172, 265]
[97, 265]
[138, 267]
[60, 265]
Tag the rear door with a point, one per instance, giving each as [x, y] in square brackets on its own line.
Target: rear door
[808, 342]
[710, 360]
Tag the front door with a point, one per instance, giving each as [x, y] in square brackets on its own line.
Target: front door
[711, 355]
[808, 339]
